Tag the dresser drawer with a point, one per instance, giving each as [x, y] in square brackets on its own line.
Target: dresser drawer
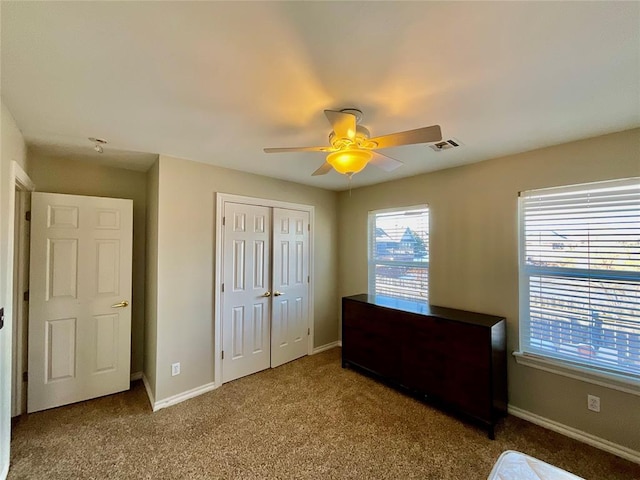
[360, 317]
[372, 351]
[469, 389]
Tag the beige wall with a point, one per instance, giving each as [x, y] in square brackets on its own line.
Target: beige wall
[12, 148]
[474, 258]
[151, 284]
[80, 177]
[186, 235]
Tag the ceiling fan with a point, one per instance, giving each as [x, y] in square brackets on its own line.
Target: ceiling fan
[351, 149]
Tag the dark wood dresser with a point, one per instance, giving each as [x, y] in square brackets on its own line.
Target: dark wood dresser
[451, 358]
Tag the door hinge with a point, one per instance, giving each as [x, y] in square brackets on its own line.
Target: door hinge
[308, 331]
[25, 296]
[224, 220]
[222, 354]
[223, 288]
[27, 216]
[25, 376]
[308, 279]
[308, 227]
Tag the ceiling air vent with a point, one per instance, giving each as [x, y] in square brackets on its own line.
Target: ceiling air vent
[445, 144]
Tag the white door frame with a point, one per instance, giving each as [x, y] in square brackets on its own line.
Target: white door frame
[20, 181]
[221, 199]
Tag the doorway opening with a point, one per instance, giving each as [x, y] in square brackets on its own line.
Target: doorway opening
[19, 236]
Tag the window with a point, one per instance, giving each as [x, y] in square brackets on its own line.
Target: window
[399, 253]
[580, 276]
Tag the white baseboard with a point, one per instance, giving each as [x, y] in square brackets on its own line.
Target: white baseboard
[147, 387]
[135, 376]
[584, 437]
[5, 471]
[328, 346]
[181, 397]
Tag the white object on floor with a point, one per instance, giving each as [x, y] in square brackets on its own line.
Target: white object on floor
[512, 465]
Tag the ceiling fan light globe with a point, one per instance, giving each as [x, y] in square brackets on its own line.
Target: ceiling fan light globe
[348, 162]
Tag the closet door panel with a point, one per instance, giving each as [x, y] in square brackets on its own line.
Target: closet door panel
[290, 315]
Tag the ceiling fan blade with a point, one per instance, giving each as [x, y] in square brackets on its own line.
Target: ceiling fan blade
[323, 170]
[343, 124]
[297, 149]
[387, 164]
[410, 137]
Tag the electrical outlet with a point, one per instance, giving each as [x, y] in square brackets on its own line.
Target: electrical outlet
[593, 403]
[175, 369]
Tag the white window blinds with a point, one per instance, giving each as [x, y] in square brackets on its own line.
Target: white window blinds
[399, 253]
[580, 275]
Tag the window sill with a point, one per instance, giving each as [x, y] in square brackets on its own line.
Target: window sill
[615, 382]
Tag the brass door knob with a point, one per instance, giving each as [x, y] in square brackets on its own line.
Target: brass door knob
[122, 304]
[266, 294]
[277, 293]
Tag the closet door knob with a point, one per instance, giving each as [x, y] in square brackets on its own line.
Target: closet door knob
[277, 293]
[266, 294]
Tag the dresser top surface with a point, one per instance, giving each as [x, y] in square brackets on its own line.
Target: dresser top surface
[423, 308]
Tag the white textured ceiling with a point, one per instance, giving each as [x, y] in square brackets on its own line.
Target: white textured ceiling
[216, 82]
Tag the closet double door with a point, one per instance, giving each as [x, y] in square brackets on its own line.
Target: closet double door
[265, 298]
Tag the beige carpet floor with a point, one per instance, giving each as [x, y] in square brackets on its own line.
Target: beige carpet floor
[306, 419]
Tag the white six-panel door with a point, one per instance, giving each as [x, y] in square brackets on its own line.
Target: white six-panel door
[80, 289]
[247, 289]
[290, 315]
[265, 298]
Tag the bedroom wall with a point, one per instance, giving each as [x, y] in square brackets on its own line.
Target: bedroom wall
[12, 148]
[186, 264]
[151, 284]
[474, 258]
[81, 177]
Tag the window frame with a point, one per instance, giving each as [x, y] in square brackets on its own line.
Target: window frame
[527, 356]
[371, 261]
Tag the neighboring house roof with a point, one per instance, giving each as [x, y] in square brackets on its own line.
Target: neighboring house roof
[408, 236]
[396, 236]
[382, 236]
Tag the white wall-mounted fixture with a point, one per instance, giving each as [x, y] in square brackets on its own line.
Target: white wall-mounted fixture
[98, 142]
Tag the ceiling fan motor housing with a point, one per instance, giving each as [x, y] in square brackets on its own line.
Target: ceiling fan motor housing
[355, 112]
[361, 139]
